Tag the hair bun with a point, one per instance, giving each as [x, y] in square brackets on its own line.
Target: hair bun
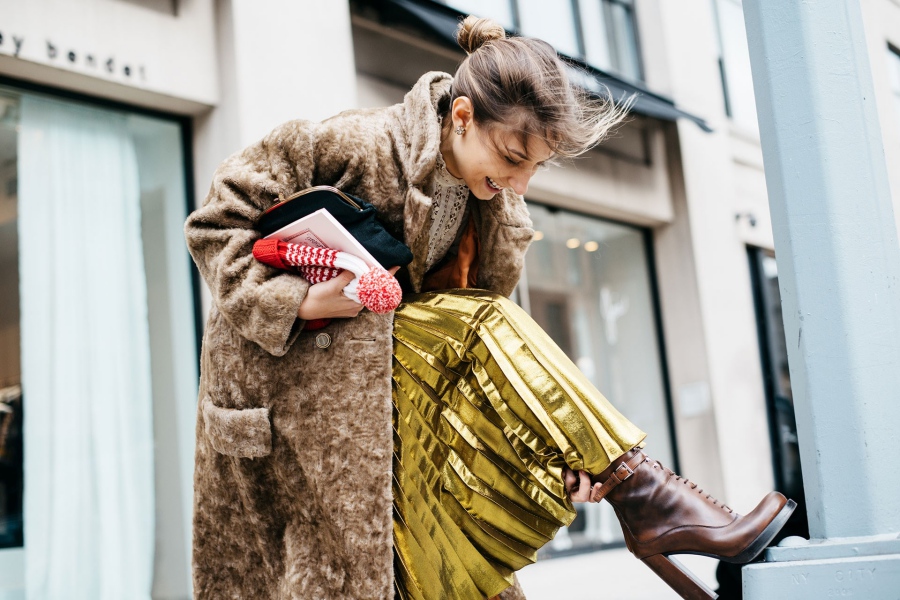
[474, 32]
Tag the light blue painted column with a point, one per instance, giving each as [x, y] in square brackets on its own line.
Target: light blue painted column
[839, 273]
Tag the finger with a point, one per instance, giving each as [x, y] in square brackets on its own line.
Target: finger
[595, 492]
[345, 277]
[393, 270]
[570, 480]
[336, 284]
[583, 493]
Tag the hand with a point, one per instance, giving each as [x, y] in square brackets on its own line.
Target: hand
[578, 486]
[326, 300]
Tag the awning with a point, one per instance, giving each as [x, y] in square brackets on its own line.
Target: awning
[440, 22]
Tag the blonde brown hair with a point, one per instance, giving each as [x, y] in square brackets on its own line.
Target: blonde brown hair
[521, 83]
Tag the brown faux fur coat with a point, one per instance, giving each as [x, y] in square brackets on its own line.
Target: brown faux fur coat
[292, 488]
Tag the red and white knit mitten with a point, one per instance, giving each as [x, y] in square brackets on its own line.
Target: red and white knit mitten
[376, 289]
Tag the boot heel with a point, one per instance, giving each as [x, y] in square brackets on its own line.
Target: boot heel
[679, 578]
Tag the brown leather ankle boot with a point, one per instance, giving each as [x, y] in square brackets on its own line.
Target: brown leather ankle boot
[663, 514]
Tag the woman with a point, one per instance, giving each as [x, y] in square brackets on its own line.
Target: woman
[431, 452]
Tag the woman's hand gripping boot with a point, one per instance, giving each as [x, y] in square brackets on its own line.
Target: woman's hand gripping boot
[662, 514]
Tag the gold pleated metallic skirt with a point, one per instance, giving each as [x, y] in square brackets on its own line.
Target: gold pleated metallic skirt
[487, 412]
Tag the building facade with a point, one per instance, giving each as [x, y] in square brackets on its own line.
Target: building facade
[653, 264]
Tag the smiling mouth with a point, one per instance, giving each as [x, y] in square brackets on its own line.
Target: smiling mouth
[493, 185]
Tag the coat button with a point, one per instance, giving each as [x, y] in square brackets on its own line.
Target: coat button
[323, 340]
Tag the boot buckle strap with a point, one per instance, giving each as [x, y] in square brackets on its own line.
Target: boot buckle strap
[620, 474]
[623, 472]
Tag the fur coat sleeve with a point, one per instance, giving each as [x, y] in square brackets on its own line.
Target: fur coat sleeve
[258, 302]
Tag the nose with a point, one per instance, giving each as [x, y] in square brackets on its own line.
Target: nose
[519, 182]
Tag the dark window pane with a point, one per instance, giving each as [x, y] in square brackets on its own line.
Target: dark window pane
[10, 382]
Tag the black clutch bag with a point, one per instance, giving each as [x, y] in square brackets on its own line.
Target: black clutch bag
[357, 215]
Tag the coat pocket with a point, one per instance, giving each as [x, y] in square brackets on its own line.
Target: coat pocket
[244, 433]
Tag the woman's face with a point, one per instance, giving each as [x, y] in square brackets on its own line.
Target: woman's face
[489, 160]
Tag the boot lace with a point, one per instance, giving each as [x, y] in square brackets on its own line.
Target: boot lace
[709, 497]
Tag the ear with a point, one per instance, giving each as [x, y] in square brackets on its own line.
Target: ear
[462, 112]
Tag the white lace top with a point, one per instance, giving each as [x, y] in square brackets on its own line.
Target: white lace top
[448, 212]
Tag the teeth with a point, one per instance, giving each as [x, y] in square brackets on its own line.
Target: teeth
[494, 183]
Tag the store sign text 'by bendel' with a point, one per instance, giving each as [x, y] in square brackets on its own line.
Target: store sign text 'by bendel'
[91, 63]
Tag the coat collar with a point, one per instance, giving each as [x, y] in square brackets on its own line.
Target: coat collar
[420, 127]
[417, 137]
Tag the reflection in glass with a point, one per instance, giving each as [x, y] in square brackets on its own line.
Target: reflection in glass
[625, 50]
[552, 21]
[786, 450]
[596, 37]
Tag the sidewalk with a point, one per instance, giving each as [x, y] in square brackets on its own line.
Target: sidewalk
[605, 575]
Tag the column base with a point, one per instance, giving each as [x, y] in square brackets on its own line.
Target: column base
[800, 569]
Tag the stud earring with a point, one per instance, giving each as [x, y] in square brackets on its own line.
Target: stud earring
[460, 130]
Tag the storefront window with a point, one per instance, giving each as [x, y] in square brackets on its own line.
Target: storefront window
[97, 345]
[588, 285]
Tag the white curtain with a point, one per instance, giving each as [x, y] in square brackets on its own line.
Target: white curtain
[89, 509]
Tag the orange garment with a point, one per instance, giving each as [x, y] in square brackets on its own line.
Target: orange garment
[460, 271]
